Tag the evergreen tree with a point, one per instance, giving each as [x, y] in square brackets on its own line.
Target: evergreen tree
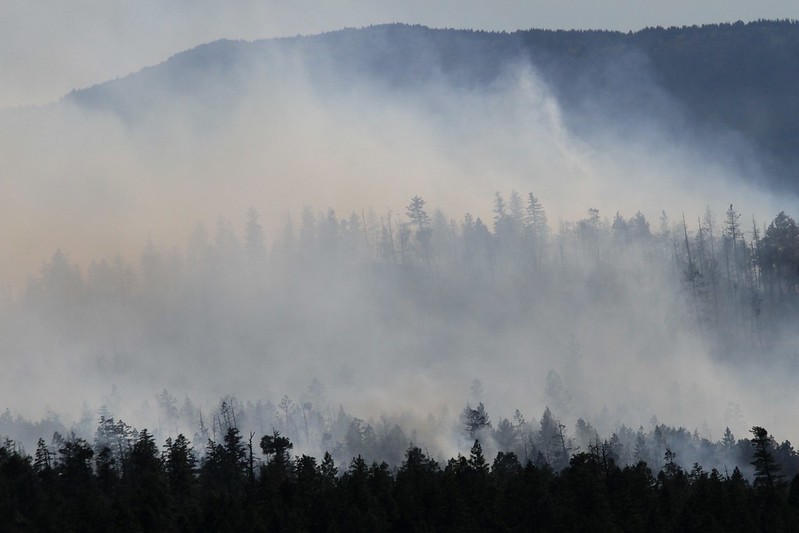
[474, 421]
[767, 476]
[179, 462]
[421, 221]
[416, 212]
[778, 255]
[276, 448]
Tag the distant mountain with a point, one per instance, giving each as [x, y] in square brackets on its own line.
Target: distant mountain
[735, 81]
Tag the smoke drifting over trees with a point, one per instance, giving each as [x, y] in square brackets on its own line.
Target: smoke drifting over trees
[313, 239]
[400, 313]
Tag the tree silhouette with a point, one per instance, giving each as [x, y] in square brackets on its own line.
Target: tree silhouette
[767, 477]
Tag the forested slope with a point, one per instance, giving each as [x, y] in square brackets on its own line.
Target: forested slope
[735, 83]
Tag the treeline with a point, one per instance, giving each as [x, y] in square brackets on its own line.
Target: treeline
[739, 281]
[242, 483]
[315, 429]
[346, 298]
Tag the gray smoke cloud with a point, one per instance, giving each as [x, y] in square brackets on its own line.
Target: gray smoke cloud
[276, 136]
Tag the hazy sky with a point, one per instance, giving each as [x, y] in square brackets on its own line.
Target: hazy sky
[49, 47]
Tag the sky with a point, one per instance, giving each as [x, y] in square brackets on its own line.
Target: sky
[50, 47]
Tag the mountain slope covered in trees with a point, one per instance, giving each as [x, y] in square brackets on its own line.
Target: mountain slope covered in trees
[735, 84]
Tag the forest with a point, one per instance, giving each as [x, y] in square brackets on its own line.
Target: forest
[127, 483]
[411, 279]
[159, 319]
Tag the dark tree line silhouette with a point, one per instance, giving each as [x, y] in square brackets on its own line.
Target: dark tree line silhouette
[238, 485]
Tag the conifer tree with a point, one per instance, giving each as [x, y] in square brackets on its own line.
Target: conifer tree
[767, 477]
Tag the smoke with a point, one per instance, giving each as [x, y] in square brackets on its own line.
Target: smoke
[99, 179]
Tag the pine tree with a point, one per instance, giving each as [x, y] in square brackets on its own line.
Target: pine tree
[767, 477]
[477, 461]
[180, 463]
[474, 420]
[276, 448]
[43, 459]
[417, 214]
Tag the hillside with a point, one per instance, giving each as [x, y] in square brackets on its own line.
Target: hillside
[730, 83]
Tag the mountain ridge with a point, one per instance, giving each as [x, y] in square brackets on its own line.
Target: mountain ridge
[741, 77]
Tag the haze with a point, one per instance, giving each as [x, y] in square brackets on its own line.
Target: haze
[128, 182]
